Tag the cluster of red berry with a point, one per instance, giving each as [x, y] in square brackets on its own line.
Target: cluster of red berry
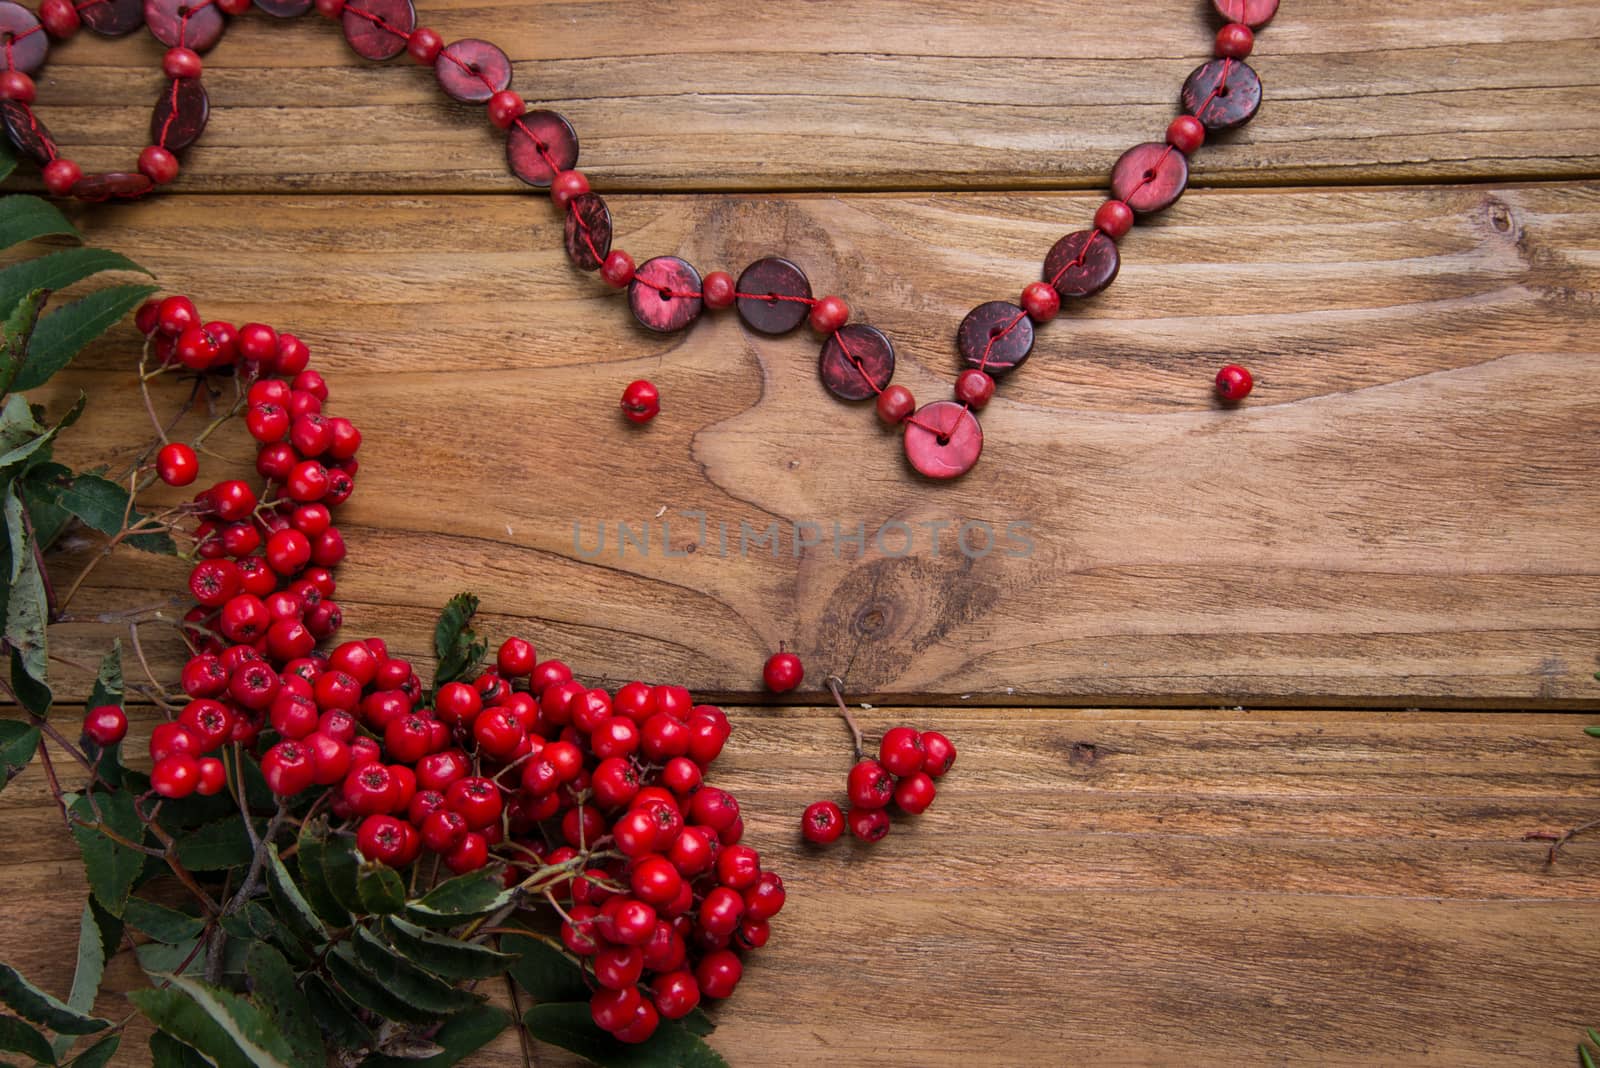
[908, 762]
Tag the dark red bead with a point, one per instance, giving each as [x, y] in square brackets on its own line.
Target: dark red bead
[617, 269]
[376, 29]
[175, 23]
[27, 132]
[1082, 263]
[943, 440]
[1234, 41]
[974, 388]
[25, 48]
[894, 404]
[472, 71]
[1114, 219]
[113, 18]
[540, 145]
[60, 175]
[829, 314]
[1040, 301]
[1222, 94]
[425, 46]
[566, 185]
[60, 18]
[718, 289]
[233, 7]
[1150, 177]
[181, 63]
[115, 184]
[995, 337]
[180, 114]
[157, 164]
[764, 282]
[15, 85]
[588, 231]
[1253, 13]
[857, 362]
[505, 107]
[665, 294]
[1186, 134]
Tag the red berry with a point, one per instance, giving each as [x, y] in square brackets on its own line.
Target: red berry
[177, 464]
[645, 1021]
[176, 315]
[470, 855]
[330, 757]
[616, 737]
[516, 658]
[870, 785]
[499, 735]
[1234, 383]
[901, 751]
[641, 401]
[210, 721]
[382, 839]
[170, 739]
[718, 973]
[738, 867]
[371, 790]
[938, 753]
[628, 921]
[676, 994]
[714, 808]
[477, 799]
[288, 768]
[783, 672]
[915, 793]
[721, 910]
[655, 880]
[681, 775]
[822, 823]
[615, 782]
[407, 739]
[456, 702]
[443, 830]
[175, 776]
[613, 1010]
[974, 388]
[213, 776]
[868, 824]
[618, 967]
[765, 899]
[106, 725]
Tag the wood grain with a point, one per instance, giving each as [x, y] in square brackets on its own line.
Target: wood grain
[722, 94]
[1110, 886]
[1403, 514]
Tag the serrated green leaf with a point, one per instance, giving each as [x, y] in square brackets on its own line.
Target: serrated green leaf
[570, 1026]
[545, 971]
[382, 890]
[20, 1037]
[101, 505]
[161, 923]
[18, 742]
[31, 1003]
[460, 899]
[274, 992]
[86, 976]
[217, 846]
[264, 926]
[58, 271]
[108, 680]
[181, 1017]
[418, 986]
[455, 642]
[247, 1027]
[63, 333]
[49, 519]
[370, 994]
[27, 612]
[461, 1036]
[99, 1054]
[337, 1016]
[341, 867]
[443, 955]
[290, 902]
[112, 867]
[313, 879]
[23, 218]
[19, 323]
[168, 1052]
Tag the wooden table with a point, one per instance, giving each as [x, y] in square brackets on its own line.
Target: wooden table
[1249, 737]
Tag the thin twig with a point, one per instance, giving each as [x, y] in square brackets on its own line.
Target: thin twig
[836, 687]
[522, 1032]
[1558, 840]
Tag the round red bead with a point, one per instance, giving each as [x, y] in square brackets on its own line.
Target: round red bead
[618, 268]
[505, 107]
[829, 314]
[568, 184]
[181, 63]
[1234, 41]
[158, 165]
[974, 388]
[1041, 301]
[1114, 219]
[718, 289]
[60, 18]
[425, 46]
[329, 9]
[1186, 134]
[15, 85]
[894, 404]
[233, 7]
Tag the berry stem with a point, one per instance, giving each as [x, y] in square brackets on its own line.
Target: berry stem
[1558, 840]
[836, 687]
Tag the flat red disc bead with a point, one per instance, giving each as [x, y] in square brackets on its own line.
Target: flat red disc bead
[113, 18]
[180, 114]
[116, 184]
[588, 232]
[857, 362]
[1222, 93]
[25, 52]
[200, 30]
[995, 337]
[1082, 263]
[382, 35]
[1253, 13]
[1149, 177]
[559, 143]
[472, 71]
[764, 281]
[665, 294]
[943, 440]
[718, 289]
[27, 132]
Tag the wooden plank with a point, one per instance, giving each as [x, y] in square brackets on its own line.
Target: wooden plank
[1403, 513]
[722, 94]
[1113, 886]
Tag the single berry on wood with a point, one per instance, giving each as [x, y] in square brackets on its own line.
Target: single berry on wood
[783, 672]
[939, 754]
[641, 402]
[822, 822]
[1234, 383]
[177, 464]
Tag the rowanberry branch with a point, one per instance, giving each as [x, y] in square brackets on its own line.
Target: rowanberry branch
[836, 687]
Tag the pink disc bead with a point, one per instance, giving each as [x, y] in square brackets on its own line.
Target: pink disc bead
[1114, 219]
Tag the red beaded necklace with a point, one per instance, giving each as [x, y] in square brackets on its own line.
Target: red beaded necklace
[773, 296]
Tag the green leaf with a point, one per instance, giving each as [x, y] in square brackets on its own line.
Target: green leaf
[382, 891]
[247, 1027]
[23, 218]
[1583, 1055]
[58, 271]
[461, 1036]
[217, 846]
[14, 333]
[455, 642]
[313, 879]
[446, 956]
[418, 986]
[23, 1038]
[570, 1026]
[18, 742]
[264, 926]
[34, 1004]
[291, 904]
[180, 1016]
[341, 865]
[108, 681]
[63, 333]
[111, 866]
[99, 1054]
[86, 977]
[545, 971]
[370, 994]
[274, 991]
[460, 899]
[49, 519]
[168, 1052]
[101, 504]
[8, 159]
[337, 1016]
[161, 923]
[27, 611]
[1593, 732]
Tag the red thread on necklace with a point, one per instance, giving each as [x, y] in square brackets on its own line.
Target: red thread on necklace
[583, 225]
[1078, 261]
[996, 336]
[172, 114]
[838, 335]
